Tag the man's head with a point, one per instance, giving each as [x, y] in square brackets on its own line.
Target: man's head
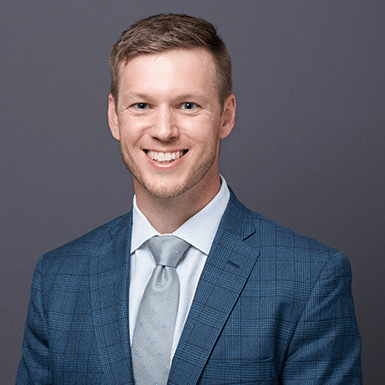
[161, 33]
[168, 107]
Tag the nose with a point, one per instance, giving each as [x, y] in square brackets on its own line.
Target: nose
[164, 127]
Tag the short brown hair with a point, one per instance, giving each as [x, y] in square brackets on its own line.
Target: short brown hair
[161, 33]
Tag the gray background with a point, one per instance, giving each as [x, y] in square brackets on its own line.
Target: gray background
[307, 149]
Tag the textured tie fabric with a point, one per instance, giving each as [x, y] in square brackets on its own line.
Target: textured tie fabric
[154, 329]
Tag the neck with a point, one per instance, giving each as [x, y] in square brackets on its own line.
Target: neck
[168, 214]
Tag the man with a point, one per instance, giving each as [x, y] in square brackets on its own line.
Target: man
[258, 303]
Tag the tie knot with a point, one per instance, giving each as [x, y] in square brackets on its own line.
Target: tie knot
[167, 249]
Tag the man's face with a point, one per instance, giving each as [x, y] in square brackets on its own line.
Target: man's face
[169, 122]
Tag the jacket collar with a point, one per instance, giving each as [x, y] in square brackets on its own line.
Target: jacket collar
[109, 280]
[227, 269]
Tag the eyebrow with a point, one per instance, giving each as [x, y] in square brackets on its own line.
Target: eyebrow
[186, 96]
[190, 96]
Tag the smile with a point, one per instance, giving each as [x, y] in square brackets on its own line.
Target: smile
[165, 156]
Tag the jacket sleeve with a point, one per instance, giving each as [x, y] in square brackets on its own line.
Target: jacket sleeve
[326, 345]
[34, 364]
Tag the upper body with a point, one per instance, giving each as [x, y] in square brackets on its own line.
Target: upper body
[269, 305]
[272, 306]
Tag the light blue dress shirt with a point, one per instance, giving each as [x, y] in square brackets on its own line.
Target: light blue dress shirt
[199, 231]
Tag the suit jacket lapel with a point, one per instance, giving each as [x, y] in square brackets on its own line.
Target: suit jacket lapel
[227, 269]
[109, 299]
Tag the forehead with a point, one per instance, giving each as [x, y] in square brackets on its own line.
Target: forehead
[190, 67]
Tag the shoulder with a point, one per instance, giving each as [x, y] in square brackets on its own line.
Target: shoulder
[78, 252]
[301, 251]
[294, 265]
[281, 246]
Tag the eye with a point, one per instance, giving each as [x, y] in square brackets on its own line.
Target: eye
[188, 106]
[141, 106]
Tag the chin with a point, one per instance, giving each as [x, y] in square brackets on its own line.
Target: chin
[163, 192]
[166, 187]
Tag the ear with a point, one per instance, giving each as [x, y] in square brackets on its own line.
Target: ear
[228, 116]
[113, 120]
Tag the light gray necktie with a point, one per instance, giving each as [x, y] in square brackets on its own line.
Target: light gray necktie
[154, 329]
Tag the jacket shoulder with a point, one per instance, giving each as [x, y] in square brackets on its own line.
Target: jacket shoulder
[287, 249]
[276, 241]
[79, 250]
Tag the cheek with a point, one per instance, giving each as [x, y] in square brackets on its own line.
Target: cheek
[131, 132]
[204, 131]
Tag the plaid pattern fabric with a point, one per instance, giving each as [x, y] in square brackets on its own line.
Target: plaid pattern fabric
[272, 307]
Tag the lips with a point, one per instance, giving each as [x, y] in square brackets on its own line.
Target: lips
[165, 156]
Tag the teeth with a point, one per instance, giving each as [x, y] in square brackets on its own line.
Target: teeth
[164, 156]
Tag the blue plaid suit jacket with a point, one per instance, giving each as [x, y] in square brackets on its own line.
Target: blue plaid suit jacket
[272, 307]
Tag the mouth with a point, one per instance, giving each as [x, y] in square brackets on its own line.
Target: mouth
[165, 157]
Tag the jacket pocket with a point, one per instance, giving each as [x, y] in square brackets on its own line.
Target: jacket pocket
[217, 372]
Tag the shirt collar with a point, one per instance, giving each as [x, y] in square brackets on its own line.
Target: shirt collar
[199, 230]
